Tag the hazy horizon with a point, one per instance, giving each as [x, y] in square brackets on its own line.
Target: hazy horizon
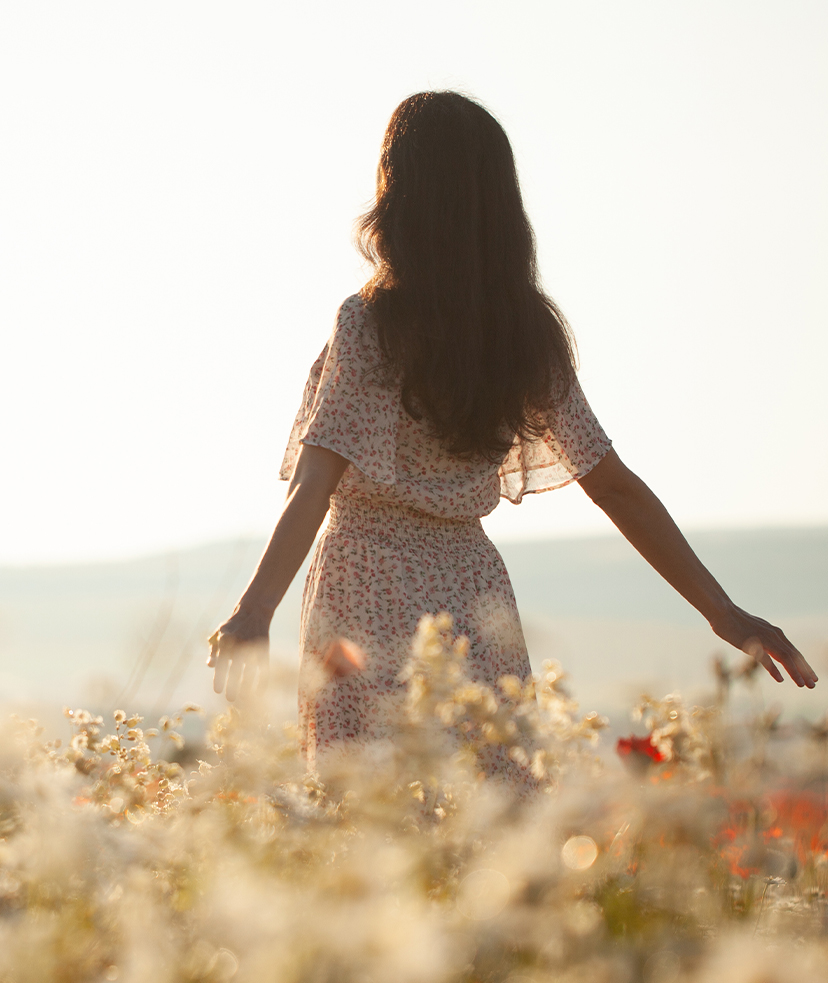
[138, 628]
[606, 532]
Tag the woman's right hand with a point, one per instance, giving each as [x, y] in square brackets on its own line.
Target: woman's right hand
[239, 652]
[765, 643]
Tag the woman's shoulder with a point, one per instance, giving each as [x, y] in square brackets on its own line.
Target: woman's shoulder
[353, 309]
[354, 329]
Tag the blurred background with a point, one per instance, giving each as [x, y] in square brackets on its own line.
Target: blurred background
[180, 183]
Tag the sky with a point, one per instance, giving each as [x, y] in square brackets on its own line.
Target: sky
[180, 185]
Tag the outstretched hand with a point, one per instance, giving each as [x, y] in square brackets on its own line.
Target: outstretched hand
[239, 654]
[765, 643]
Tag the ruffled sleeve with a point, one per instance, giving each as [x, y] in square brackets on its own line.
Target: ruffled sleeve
[345, 407]
[573, 444]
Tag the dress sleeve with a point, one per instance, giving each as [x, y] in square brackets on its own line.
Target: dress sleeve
[345, 406]
[573, 444]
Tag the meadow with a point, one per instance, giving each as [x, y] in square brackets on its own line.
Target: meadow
[695, 849]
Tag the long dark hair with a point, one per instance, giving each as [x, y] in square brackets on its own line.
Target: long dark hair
[462, 318]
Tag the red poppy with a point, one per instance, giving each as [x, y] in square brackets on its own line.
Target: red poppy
[639, 749]
[792, 822]
[800, 815]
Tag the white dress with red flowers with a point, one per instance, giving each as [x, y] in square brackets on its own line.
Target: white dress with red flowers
[404, 538]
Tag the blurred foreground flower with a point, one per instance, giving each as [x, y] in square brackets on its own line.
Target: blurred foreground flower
[526, 733]
[344, 658]
[127, 854]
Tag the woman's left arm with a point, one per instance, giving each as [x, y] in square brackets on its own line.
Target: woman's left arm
[242, 639]
[648, 526]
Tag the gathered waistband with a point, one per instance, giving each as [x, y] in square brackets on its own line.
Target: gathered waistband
[388, 521]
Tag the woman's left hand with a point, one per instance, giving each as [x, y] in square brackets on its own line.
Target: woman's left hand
[765, 643]
[239, 653]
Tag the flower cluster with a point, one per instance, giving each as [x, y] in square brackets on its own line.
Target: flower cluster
[127, 856]
[536, 721]
[678, 734]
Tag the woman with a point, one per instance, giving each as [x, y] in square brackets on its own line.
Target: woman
[447, 383]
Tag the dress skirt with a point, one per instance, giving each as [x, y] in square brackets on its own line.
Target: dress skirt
[377, 569]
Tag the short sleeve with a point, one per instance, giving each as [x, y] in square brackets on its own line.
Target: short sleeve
[345, 407]
[572, 445]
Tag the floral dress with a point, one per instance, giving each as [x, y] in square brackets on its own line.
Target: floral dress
[404, 539]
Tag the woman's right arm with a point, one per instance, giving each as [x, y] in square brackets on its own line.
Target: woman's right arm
[648, 526]
[238, 649]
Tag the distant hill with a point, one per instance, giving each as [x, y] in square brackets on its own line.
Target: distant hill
[135, 631]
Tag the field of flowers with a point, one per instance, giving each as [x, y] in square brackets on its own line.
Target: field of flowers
[127, 854]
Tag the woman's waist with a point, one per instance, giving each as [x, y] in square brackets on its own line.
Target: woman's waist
[462, 496]
[375, 518]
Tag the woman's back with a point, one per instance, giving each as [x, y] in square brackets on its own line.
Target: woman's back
[351, 408]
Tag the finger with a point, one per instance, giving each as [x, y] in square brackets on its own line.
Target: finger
[212, 641]
[756, 650]
[807, 672]
[792, 659]
[772, 668]
[771, 643]
[794, 662]
[251, 681]
[220, 675]
[249, 691]
[254, 678]
[764, 656]
[791, 668]
[804, 666]
[262, 679]
[234, 677]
